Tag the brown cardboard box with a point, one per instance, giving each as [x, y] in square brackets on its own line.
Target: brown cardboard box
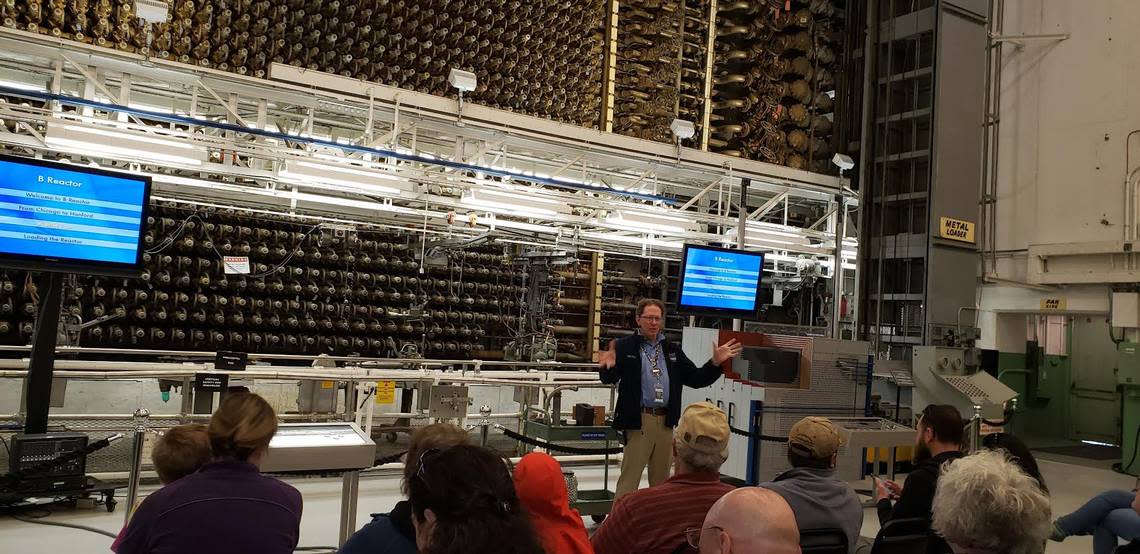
[587, 415]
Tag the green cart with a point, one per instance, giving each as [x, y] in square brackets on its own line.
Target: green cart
[594, 503]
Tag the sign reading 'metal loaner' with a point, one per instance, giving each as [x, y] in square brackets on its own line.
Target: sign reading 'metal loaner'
[956, 229]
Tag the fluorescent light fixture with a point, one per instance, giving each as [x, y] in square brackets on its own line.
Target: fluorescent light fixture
[114, 143]
[514, 203]
[149, 107]
[492, 222]
[347, 177]
[637, 241]
[1098, 443]
[757, 228]
[336, 201]
[278, 194]
[21, 86]
[651, 221]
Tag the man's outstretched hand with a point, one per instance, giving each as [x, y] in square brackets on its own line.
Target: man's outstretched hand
[726, 351]
[608, 358]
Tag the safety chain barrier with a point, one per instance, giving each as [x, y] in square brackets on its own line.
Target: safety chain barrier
[758, 436]
[556, 447]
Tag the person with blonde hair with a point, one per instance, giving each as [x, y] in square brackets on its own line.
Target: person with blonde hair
[986, 504]
[227, 506]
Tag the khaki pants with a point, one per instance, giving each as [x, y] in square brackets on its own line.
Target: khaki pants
[652, 445]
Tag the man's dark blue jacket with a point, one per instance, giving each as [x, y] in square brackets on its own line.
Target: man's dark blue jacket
[626, 373]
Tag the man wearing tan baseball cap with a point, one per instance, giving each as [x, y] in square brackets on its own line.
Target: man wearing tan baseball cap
[819, 500]
[656, 519]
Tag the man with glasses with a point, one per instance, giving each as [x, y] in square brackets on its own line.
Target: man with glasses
[654, 520]
[748, 521]
[649, 372]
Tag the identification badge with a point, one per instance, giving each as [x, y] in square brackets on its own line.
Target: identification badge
[659, 394]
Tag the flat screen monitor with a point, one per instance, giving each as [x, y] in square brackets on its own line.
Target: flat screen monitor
[720, 281]
[68, 218]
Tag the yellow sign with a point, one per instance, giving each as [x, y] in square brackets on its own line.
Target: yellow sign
[327, 384]
[956, 229]
[385, 392]
[1053, 304]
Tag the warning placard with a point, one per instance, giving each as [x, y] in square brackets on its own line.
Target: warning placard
[956, 229]
[1054, 304]
[236, 265]
[385, 392]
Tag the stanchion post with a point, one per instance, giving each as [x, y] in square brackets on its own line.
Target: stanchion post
[976, 431]
[141, 419]
[484, 425]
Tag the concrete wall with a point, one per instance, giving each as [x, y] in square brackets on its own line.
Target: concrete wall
[1066, 108]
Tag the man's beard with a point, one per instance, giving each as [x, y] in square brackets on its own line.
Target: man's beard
[922, 452]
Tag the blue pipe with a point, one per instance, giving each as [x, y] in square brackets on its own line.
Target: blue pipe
[173, 118]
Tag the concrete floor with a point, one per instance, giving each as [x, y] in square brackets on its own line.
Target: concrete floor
[1071, 485]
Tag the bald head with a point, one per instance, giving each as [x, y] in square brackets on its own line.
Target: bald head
[750, 519]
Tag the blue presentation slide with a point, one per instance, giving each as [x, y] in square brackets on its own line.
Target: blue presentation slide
[59, 213]
[722, 280]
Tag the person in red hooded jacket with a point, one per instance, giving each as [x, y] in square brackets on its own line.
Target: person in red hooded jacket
[542, 491]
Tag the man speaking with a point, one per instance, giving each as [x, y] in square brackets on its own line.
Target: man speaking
[649, 372]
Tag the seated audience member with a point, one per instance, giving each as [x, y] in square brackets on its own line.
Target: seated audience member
[542, 491]
[985, 504]
[463, 501]
[393, 532]
[819, 500]
[751, 520]
[1109, 515]
[1018, 452]
[654, 520]
[180, 451]
[939, 440]
[227, 506]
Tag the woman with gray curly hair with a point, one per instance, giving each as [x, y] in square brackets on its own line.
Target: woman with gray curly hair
[985, 504]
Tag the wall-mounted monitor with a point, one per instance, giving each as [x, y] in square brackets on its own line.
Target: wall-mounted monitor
[70, 218]
[720, 281]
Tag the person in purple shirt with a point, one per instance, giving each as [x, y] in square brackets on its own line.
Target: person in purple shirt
[228, 506]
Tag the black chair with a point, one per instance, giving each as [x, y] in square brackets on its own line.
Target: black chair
[903, 536]
[823, 541]
[1130, 548]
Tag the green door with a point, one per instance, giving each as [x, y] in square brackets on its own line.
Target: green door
[1094, 405]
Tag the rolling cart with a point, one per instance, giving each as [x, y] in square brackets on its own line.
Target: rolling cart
[595, 503]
